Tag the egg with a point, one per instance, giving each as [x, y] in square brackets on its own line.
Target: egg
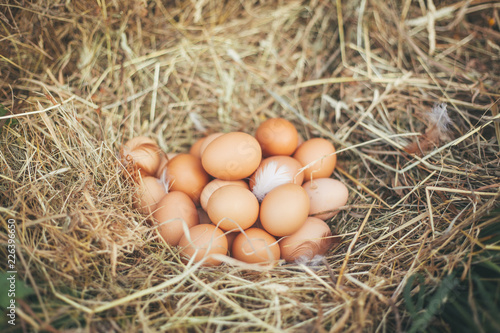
[255, 246]
[277, 136]
[208, 140]
[150, 191]
[186, 174]
[293, 166]
[210, 188]
[203, 241]
[142, 154]
[325, 195]
[284, 210]
[232, 156]
[233, 207]
[317, 150]
[174, 210]
[313, 238]
[164, 159]
[195, 149]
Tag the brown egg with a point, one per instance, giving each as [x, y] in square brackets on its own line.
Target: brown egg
[284, 210]
[203, 241]
[208, 140]
[150, 191]
[164, 159]
[313, 238]
[233, 207]
[195, 149]
[325, 195]
[291, 164]
[232, 156]
[277, 136]
[315, 150]
[186, 174]
[256, 246]
[173, 211]
[142, 154]
[214, 185]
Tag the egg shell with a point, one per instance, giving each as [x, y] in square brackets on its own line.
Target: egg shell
[277, 136]
[150, 191]
[143, 154]
[313, 238]
[317, 150]
[208, 140]
[233, 207]
[232, 156]
[325, 195]
[291, 163]
[165, 158]
[195, 149]
[186, 174]
[215, 184]
[255, 246]
[284, 210]
[202, 242]
[174, 210]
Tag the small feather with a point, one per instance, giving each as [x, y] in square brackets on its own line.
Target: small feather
[164, 181]
[196, 119]
[436, 132]
[306, 260]
[439, 117]
[269, 177]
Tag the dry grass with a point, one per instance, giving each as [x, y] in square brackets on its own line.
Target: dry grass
[82, 77]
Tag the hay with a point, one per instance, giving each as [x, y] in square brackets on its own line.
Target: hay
[80, 78]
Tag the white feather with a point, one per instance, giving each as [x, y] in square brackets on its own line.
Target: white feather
[269, 177]
[307, 261]
[439, 117]
[164, 181]
[196, 119]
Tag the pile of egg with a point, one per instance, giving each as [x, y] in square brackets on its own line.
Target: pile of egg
[258, 198]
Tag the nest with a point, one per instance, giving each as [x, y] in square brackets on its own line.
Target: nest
[420, 236]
